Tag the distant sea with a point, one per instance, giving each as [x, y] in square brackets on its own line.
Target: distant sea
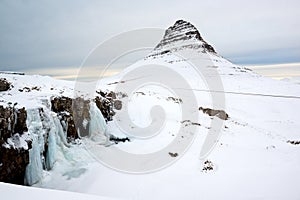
[284, 71]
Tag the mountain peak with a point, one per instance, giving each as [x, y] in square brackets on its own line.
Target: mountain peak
[183, 35]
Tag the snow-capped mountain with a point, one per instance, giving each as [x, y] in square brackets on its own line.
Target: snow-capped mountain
[182, 35]
[256, 156]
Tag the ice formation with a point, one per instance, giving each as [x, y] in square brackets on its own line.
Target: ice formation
[51, 151]
[34, 170]
[49, 129]
[97, 127]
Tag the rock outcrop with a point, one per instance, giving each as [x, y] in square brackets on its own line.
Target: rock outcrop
[71, 114]
[106, 103]
[218, 113]
[4, 85]
[14, 156]
[74, 113]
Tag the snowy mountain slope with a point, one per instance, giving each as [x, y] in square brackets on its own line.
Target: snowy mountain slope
[256, 157]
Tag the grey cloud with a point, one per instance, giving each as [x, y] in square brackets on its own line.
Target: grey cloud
[44, 34]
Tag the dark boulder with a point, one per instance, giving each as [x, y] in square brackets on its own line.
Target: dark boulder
[4, 85]
[218, 113]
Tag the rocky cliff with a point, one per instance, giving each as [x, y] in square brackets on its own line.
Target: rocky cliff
[14, 156]
[29, 135]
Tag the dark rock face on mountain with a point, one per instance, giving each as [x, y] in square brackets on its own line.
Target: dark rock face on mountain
[182, 35]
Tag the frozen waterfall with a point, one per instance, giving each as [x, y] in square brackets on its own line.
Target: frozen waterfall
[97, 128]
[34, 169]
[45, 129]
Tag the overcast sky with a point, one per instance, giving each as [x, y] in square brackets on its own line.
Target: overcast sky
[40, 35]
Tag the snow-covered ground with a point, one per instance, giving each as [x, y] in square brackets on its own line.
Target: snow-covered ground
[252, 159]
[10, 191]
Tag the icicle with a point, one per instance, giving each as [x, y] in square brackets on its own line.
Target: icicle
[97, 127]
[60, 132]
[57, 140]
[34, 169]
[51, 151]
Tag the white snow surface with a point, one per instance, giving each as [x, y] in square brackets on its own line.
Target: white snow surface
[252, 159]
[10, 191]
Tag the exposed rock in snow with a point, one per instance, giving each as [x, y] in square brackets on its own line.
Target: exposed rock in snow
[13, 164]
[14, 144]
[218, 113]
[173, 154]
[208, 166]
[118, 104]
[4, 85]
[105, 105]
[12, 120]
[293, 142]
[71, 119]
[116, 140]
